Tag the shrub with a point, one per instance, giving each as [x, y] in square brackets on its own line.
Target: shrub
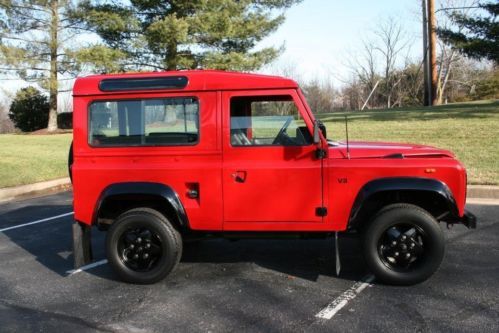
[65, 120]
[29, 110]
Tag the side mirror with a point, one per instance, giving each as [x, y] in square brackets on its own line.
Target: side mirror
[317, 137]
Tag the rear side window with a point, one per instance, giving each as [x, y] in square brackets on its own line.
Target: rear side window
[146, 122]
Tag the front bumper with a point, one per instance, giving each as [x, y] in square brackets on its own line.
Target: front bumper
[468, 219]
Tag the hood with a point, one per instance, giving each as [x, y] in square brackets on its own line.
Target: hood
[364, 149]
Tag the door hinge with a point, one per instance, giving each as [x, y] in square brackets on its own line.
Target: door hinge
[321, 211]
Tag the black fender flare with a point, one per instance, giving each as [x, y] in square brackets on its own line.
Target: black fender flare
[368, 192]
[145, 188]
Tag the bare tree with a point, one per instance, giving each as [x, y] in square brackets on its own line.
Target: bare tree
[392, 41]
[352, 95]
[364, 67]
[321, 95]
[284, 68]
[377, 60]
[445, 62]
[449, 57]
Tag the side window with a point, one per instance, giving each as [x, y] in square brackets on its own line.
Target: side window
[267, 121]
[147, 122]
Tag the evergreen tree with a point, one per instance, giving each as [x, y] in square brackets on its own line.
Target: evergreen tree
[36, 44]
[181, 34]
[478, 36]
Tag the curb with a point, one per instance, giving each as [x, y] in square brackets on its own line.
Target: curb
[36, 189]
[483, 191]
[57, 185]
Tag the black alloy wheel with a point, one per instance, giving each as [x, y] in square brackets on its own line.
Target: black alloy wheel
[401, 247]
[140, 249]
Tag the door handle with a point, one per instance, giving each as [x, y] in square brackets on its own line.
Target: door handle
[239, 176]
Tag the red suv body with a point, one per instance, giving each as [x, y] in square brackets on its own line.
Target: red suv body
[219, 152]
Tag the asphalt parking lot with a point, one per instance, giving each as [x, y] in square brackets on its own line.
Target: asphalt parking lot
[247, 285]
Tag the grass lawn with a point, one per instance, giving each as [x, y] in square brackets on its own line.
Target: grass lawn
[26, 159]
[470, 130]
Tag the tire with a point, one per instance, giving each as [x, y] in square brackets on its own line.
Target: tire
[137, 233]
[70, 162]
[403, 245]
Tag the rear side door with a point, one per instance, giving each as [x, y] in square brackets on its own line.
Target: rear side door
[272, 178]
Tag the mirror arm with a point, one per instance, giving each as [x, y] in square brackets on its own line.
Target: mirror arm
[320, 153]
[317, 137]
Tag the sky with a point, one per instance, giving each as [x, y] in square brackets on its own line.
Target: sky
[320, 35]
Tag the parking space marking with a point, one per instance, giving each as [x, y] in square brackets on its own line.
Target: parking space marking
[332, 308]
[36, 222]
[87, 267]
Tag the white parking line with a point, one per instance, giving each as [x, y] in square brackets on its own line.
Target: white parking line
[87, 267]
[36, 222]
[337, 304]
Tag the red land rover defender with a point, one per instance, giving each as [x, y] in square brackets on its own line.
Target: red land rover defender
[161, 157]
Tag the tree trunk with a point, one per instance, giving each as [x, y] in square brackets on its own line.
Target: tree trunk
[443, 84]
[53, 86]
[171, 56]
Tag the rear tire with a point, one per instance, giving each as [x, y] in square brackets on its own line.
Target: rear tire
[142, 246]
[403, 245]
[70, 162]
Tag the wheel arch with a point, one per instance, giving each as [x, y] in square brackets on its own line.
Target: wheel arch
[430, 194]
[119, 197]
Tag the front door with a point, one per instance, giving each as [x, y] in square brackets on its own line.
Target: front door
[272, 178]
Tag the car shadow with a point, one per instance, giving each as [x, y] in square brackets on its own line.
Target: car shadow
[301, 258]
[50, 243]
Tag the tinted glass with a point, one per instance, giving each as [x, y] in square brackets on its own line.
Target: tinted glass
[149, 122]
[267, 120]
[168, 82]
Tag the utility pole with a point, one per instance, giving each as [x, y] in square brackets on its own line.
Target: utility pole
[426, 58]
[432, 27]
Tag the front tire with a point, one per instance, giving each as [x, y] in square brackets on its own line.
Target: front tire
[403, 245]
[142, 246]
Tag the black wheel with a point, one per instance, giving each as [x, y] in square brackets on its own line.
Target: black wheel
[142, 246]
[403, 245]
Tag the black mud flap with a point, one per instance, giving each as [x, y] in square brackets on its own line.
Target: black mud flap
[469, 220]
[82, 245]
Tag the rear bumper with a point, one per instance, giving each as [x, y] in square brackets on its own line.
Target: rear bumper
[468, 219]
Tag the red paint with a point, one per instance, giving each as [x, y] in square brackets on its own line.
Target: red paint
[282, 185]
